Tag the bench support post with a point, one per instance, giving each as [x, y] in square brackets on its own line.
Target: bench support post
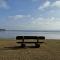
[22, 44]
[37, 45]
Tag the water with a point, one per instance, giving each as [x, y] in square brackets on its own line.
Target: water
[14, 33]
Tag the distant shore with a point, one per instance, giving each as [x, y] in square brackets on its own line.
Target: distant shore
[2, 29]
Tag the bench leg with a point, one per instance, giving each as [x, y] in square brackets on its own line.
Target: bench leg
[22, 45]
[37, 45]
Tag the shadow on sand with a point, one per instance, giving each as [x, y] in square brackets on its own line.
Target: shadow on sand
[16, 47]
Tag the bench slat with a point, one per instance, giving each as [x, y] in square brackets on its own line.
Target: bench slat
[30, 37]
[29, 42]
[19, 37]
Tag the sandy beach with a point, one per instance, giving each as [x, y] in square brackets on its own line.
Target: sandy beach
[50, 50]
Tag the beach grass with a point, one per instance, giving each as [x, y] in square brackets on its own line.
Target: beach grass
[50, 50]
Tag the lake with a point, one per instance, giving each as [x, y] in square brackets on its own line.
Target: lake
[14, 33]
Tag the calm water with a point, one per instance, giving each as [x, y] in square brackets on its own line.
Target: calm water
[47, 34]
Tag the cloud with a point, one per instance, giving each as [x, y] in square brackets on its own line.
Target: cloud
[45, 5]
[56, 4]
[49, 4]
[41, 20]
[18, 17]
[46, 23]
[52, 11]
[18, 22]
[32, 23]
[3, 4]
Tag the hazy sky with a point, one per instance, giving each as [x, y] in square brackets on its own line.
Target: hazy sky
[30, 14]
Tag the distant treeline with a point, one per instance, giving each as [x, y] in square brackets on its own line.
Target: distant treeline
[2, 29]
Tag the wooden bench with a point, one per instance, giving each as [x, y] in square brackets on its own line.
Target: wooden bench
[23, 38]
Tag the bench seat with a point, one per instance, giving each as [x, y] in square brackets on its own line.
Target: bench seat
[29, 42]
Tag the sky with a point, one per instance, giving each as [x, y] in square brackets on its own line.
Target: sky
[30, 14]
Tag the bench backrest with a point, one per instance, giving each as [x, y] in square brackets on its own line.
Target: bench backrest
[41, 37]
[19, 37]
[30, 37]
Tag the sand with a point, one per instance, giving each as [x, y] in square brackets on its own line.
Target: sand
[50, 50]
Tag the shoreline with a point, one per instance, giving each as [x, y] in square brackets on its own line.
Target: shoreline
[15, 39]
[7, 39]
